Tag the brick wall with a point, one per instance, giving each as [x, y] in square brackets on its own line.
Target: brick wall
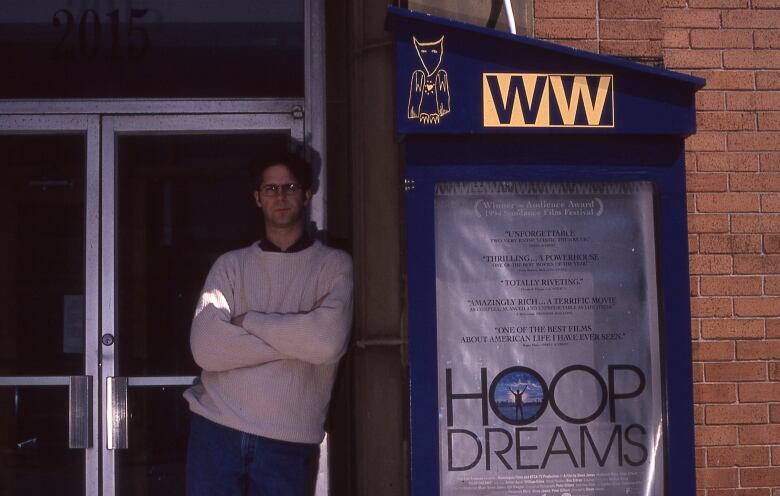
[733, 165]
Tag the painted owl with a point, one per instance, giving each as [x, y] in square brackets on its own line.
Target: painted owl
[429, 90]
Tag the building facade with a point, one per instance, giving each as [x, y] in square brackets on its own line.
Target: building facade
[149, 163]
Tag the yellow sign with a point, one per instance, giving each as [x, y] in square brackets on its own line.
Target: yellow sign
[548, 100]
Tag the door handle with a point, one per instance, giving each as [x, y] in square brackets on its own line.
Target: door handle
[116, 413]
[80, 411]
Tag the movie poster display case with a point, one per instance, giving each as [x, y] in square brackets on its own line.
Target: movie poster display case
[549, 314]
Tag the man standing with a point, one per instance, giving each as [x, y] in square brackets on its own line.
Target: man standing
[271, 324]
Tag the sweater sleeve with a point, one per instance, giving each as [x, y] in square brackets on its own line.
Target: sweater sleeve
[318, 336]
[217, 345]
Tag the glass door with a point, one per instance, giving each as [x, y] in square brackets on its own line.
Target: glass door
[48, 304]
[176, 195]
[108, 226]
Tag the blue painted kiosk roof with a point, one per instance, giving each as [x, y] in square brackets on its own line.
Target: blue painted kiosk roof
[482, 81]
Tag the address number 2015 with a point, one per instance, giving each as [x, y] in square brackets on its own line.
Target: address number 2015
[84, 38]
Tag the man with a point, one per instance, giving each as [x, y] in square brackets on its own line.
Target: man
[271, 324]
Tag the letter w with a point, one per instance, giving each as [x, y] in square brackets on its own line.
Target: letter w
[530, 93]
[568, 104]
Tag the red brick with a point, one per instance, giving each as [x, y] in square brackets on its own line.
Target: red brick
[757, 264]
[768, 19]
[728, 202]
[726, 121]
[716, 477]
[756, 100]
[690, 18]
[759, 392]
[735, 372]
[690, 162]
[694, 286]
[714, 393]
[693, 243]
[692, 59]
[767, 39]
[773, 331]
[770, 203]
[772, 243]
[763, 182]
[565, 28]
[768, 80]
[765, 4]
[631, 48]
[715, 435]
[772, 285]
[774, 418]
[759, 434]
[677, 38]
[751, 59]
[711, 307]
[713, 350]
[632, 9]
[697, 372]
[700, 457]
[731, 286]
[706, 182]
[768, 121]
[755, 477]
[710, 100]
[721, 38]
[758, 350]
[565, 8]
[730, 243]
[710, 264]
[767, 306]
[630, 29]
[586, 45]
[770, 162]
[731, 329]
[760, 141]
[756, 223]
[727, 80]
[726, 161]
[718, 4]
[698, 414]
[738, 492]
[738, 456]
[736, 414]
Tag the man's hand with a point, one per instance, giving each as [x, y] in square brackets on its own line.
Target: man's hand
[238, 320]
[319, 302]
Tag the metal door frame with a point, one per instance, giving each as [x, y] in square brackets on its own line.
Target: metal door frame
[89, 126]
[114, 388]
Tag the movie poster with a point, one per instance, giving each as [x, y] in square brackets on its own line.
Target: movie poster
[549, 373]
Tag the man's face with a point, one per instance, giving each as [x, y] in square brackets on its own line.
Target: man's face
[282, 208]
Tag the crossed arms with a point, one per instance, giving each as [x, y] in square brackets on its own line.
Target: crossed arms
[223, 341]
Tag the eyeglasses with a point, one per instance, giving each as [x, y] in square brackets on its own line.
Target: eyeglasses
[275, 189]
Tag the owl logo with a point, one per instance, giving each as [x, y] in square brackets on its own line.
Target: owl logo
[429, 90]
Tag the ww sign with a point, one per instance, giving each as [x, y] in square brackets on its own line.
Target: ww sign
[548, 100]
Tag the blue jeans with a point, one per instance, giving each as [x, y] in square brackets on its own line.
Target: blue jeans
[225, 462]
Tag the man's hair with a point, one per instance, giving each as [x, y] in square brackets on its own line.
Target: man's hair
[298, 166]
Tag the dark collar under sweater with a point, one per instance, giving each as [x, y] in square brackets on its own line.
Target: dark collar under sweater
[301, 244]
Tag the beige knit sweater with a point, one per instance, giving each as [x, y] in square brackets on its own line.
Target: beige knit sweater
[274, 376]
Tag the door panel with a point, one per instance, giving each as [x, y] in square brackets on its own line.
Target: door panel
[182, 201]
[176, 195]
[48, 307]
[169, 194]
